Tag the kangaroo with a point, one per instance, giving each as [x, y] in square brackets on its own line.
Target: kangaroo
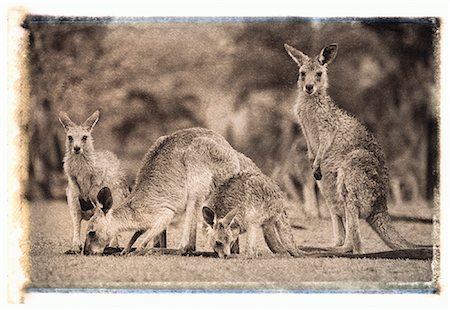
[348, 163]
[245, 203]
[178, 174]
[87, 172]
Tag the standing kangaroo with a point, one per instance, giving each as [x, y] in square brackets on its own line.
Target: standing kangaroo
[87, 172]
[178, 174]
[245, 203]
[348, 163]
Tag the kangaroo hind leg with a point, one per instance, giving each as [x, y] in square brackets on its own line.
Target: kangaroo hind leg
[251, 248]
[133, 239]
[352, 203]
[161, 240]
[285, 232]
[235, 247]
[159, 222]
[272, 238]
[352, 241]
[189, 235]
[75, 214]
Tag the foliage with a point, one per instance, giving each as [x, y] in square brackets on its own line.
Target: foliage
[149, 79]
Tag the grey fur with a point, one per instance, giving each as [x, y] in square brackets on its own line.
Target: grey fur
[87, 172]
[177, 175]
[353, 174]
[245, 203]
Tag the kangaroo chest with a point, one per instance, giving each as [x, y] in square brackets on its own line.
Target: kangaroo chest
[82, 177]
[84, 184]
[316, 124]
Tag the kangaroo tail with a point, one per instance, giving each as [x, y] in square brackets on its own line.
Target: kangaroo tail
[381, 223]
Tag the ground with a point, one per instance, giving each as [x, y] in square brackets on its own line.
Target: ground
[50, 227]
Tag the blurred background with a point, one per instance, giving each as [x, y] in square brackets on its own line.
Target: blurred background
[151, 78]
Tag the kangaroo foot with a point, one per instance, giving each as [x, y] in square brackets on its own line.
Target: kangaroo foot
[297, 253]
[282, 255]
[253, 254]
[340, 249]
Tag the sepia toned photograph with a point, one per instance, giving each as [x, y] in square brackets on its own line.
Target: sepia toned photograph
[231, 154]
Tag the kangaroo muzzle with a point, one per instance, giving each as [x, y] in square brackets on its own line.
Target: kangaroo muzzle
[222, 250]
[309, 89]
[91, 246]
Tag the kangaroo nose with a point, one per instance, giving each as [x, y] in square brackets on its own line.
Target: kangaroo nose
[219, 243]
[76, 149]
[309, 87]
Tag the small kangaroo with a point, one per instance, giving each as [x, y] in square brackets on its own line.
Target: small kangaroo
[348, 163]
[87, 172]
[245, 203]
[177, 175]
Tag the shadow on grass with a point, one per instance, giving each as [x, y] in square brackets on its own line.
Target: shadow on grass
[412, 219]
[423, 253]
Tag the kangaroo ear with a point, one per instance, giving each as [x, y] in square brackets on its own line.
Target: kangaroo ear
[65, 120]
[92, 120]
[209, 216]
[229, 217]
[295, 54]
[328, 54]
[235, 227]
[105, 198]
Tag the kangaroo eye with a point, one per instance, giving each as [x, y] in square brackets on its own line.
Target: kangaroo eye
[70, 138]
[91, 233]
[84, 138]
[319, 74]
[302, 75]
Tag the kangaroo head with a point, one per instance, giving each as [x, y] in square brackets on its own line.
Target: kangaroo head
[79, 137]
[97, 234]
[222, 233]
[313, 78]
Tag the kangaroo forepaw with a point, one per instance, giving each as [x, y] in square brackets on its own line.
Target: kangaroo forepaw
[138, 252]
[317, 174]
[187, 250]
[76, 249]
[114, 243]
[72, 252]
[124, 252]
[338, 242]
[112, 251]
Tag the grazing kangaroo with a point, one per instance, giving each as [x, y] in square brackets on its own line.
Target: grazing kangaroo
[348, 163]
[245, 203]
[178, 174]
[87, 172]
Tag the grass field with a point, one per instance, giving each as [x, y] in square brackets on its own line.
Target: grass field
[50, 227]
